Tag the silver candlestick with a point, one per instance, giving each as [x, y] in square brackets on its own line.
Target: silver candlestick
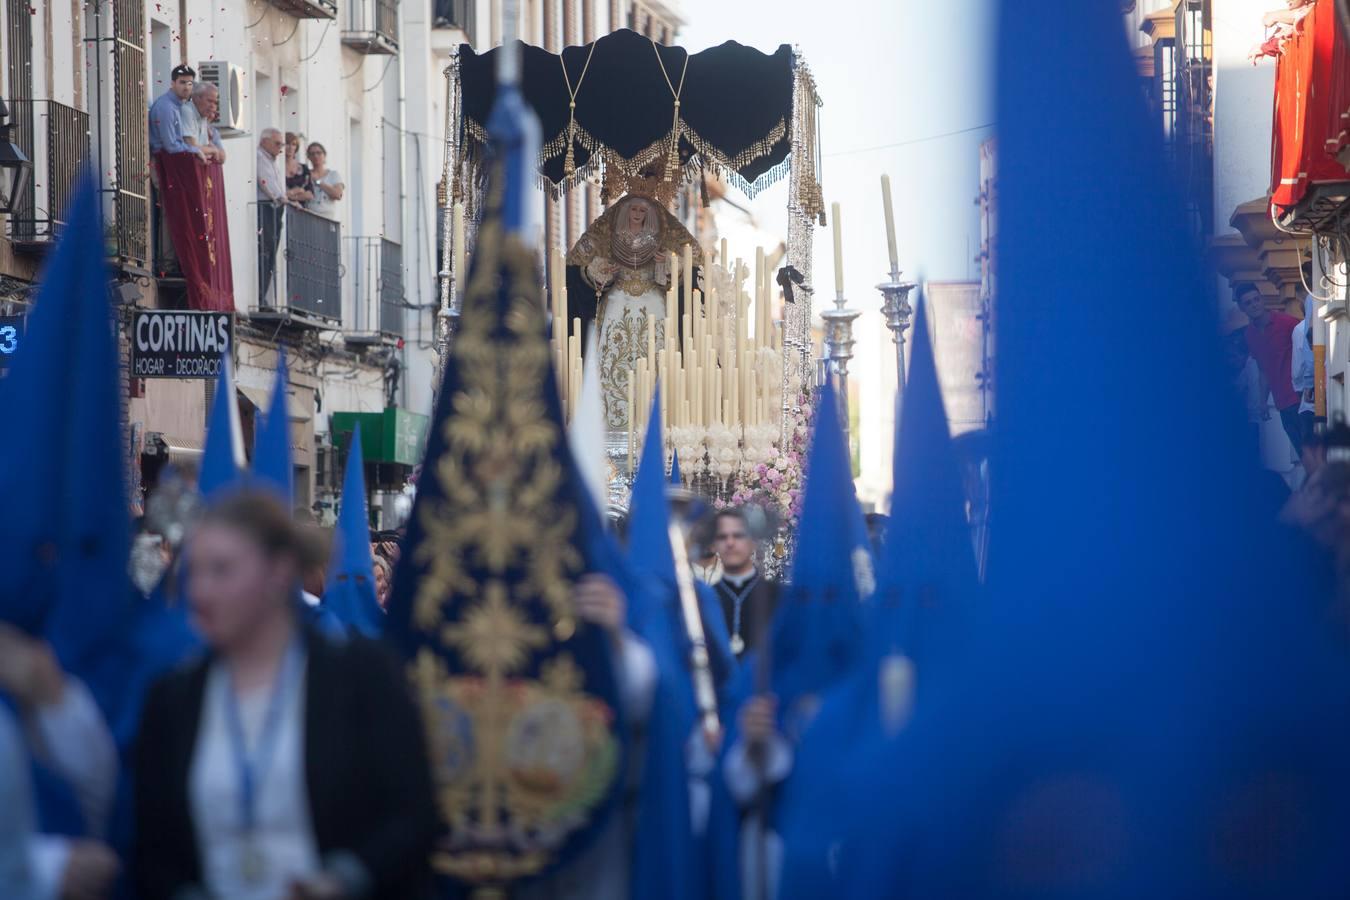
[839, 348]
[895, 307]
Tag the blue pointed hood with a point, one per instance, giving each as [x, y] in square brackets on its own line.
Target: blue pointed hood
[223, 459]
[350, 591]
[272, 466]
[914, 631]
[65, 535]
[675, 478]
[817, 630]
[927, 577]
[1131, 686]
[649, 512]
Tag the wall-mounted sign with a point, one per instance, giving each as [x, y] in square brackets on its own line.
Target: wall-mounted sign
[11, 336]
[170, 343]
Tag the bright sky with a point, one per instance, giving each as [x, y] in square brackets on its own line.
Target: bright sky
[895, 77]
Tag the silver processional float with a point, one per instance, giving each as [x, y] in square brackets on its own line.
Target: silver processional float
[640, 128]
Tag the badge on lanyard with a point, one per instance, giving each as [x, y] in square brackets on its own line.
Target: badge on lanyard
[253, 767]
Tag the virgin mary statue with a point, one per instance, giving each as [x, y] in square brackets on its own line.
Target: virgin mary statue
[624, 260]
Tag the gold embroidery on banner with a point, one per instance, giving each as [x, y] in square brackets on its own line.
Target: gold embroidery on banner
[521, 758]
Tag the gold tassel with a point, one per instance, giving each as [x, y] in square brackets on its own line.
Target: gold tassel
[673, 154]
[570, 160]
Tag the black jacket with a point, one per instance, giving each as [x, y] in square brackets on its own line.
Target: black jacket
[366, 771]
[756, 611]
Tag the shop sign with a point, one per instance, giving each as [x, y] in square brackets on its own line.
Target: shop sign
[171, 343]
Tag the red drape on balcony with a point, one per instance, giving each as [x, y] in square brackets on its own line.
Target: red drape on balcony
[1312, 94]
[193, 198]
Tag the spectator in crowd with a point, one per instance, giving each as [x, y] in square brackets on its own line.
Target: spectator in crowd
[328, 186]
[387, 546]
[67, 737]
[282, 763]
[1302, 372]
[703, 559]
[166, 115]
[1270, 341]
[1248, 385]
[299, 188]
[198, 114]
[312, 578]
[151, 556]
[272, 202]
[747, 597]
[384, 580]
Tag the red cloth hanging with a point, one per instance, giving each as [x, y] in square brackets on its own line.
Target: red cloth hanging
[192, 195]
[1311, 91]
[1338, 106]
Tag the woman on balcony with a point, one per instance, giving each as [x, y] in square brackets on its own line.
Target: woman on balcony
[299, 188]
[327, 183]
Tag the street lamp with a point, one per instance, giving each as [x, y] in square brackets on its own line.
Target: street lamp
[15, 167]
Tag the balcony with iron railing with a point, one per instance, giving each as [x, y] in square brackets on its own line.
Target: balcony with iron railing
[371, 26]
[373, 289]
[56, 138]
[299, 266]
[308, 9]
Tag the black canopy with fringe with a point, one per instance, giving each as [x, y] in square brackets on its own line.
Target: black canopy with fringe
[736, 106]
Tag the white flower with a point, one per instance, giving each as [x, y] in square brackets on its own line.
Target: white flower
[781, 464]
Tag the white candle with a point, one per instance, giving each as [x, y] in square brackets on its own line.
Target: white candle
[890, 221]
[688, 276]
[630, 426]
[457, 235]
[838, 252]
[760, 305]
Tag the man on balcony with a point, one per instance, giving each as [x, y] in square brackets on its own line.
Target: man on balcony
[197, 116]
[166, 115]
[272, 203]
[191, 191]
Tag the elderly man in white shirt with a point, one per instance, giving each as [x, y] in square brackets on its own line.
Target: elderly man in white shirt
[272, 205]
[197, 115]
[64, 729]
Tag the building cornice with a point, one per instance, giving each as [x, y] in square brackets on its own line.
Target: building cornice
[1160, 26]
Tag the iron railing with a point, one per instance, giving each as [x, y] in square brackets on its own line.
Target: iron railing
[1193, 74]
[373, 284]
[131, 202]
[58, 137]
[302, 277]
[19, 65]
[371, 26]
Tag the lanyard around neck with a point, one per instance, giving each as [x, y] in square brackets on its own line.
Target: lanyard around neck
[252, 767]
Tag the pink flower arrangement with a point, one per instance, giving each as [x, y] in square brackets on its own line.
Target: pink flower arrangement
[776, 483]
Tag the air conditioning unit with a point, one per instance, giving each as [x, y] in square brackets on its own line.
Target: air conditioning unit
[229, 80]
